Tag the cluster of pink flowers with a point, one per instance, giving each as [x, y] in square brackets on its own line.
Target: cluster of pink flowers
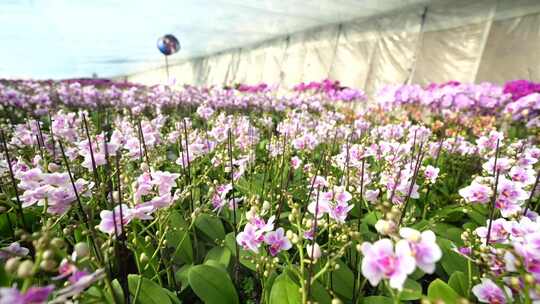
[152, 193]
[515, 176]
[41, 98]
[258, 88]
[258, 231]
[484, 98]
[333, 202]
[332, 89]
[34, 295]
[517, 253]
[414, 249]
[526, 108]
[521, 88]
[53, 190]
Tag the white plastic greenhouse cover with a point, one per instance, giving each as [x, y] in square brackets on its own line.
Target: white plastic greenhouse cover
[74, 38]
[433, 41]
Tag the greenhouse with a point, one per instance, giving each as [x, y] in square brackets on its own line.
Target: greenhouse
[270, 152]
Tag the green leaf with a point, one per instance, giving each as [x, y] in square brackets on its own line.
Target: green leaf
[377, 300]
[285, 291]
[212, 285]
[178, 238]
[448, 231]
[216, 264]
[343, 280]
[451, 261]
[172, 296]
[95, 295]
[319, 293]
[220, 254]
[182, 276]
[439, 290]
[147, 248]
[268, 284]
[412, 290]
[211, 226]
[4, 279]
[371, 218]
[458, 281]
[149, 292]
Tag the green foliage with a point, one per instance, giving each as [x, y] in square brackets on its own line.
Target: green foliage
[211, 226]
[178, 238]
[147, 291]
[412, 290]
[459, 282]
[221, 255]
[343, 280]
[212, 285]
[377, 300]
[439, 290]
[285, 291]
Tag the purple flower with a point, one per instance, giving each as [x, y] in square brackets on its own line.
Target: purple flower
[498, 232]
[277, 241]
[14, 249]
[296, 162]
[164, 181]
[424, 249]
[250, 238]
[319, 208]
[34, 295]
[381, 262]
[371, 195]
[476, 193]
[261, 225]
[79, 281]
[465, 251]
[431, 173]
[108, 221]
[489, 292]
[520, 88]
[339, 211]
[219, 197]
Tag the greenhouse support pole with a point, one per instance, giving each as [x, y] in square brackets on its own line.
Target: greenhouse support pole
[167, 68]
[418, 46]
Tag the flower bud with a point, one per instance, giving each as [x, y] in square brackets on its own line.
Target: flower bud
[295, 238]
[289, 234]
[48, 254]
[315, 249]
[116, 196]
[385, 227]
[266, 206]
[67, 231]
[290, 217]
[52, 167]
[25, 269]
[48, 265]
[82, 250]
[12, 264]
[58, 243]
[143, 258]
[514, 282]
